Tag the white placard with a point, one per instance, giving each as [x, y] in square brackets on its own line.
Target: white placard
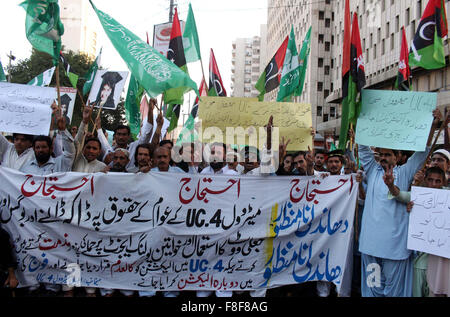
[429, 221]
[25, 109]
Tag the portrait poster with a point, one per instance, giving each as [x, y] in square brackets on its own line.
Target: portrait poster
[67, 96]
[107, 87]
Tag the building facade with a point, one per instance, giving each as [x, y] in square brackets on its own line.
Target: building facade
[80, 33]
[380, 23]
[247, 64]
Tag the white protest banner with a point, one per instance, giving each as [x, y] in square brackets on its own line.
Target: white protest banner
[25, 109]
[395, 119]
[429, 221]
[169, 231]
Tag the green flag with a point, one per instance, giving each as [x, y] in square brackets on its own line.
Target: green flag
[90, 75]
[290, 71]
[43, 79]
[73, 78]
[188, 134]
[43, 26]
[304, 53]
[175, 54]
[427, 48]
[2, 73]
[173, 114]
[191, 43]
[132, 105]
[151, 69]
[332, 147]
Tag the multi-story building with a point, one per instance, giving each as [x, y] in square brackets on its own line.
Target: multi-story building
[80, 34]
[380, 24]
[247, 64]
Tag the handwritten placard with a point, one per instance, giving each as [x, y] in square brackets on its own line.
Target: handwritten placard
[25, 108]
[395, 119]
[429, 221]
[293, 119]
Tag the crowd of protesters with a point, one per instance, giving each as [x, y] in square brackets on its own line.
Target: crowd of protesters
[385, 177]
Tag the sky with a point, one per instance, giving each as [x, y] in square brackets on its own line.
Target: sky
[219, 23]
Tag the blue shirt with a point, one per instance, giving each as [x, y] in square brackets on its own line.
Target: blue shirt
[384, 228]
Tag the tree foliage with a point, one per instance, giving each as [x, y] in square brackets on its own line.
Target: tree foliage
[25, 70]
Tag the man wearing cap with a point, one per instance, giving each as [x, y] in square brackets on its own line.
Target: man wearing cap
[441, 158]
[384, 228]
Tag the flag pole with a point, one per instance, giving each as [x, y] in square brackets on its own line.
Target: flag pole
[203, 74]
[57, 86]
[98, 115]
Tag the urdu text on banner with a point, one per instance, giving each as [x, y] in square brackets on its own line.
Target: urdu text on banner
[166, 231]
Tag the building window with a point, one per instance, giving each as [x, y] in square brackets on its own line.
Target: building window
[407, 17]
[327, 23]
[392, 41]
[382, 47]
[375, 51]
[321, 15]
[327, 46]
[320, 62]
[320, 38]
[332, 111]
[326, 93]
[319, 111]
[397, 23]
[419, 9]
[327, 70]
[319, 86]
[387, 29]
